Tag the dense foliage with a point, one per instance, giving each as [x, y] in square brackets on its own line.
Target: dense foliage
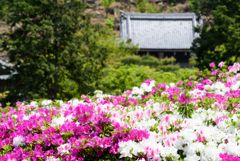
[131, 70]
[116, 80]
[148, 60]
[57, 52]
[39, 34]
[195, 119]
[3, 7]
[166, 64]
[220, 39]
[144, 6]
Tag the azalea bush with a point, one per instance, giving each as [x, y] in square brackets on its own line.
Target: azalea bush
[194, 119]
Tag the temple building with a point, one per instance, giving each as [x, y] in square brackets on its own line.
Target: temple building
[161, 34]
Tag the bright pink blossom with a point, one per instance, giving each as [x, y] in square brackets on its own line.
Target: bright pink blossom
[212, 64]
[221, 64]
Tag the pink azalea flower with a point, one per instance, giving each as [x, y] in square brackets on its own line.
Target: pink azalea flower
[183, 99]
[221, 64]
[212, 64]
[18, 103]
[214, 72]
[148, 81]
[191, 77]
[220, 119]
[64, 149]
[190, 83]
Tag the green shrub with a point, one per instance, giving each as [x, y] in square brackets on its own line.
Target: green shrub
[192, 61]
[144, 6]
[151, 61]
[109, 22]
[144, 60]
[167, 68]
[124, 77]
[127, 76]
[185, 73]
[167, 61]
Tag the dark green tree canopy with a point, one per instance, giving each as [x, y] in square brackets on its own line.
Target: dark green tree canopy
[39, 32]
[3, 7]
[220, 40]
[57, 52]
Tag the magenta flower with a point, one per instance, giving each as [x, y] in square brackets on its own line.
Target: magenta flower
[220, 119]
[148, 81]
[18, 103]
[183, 99]
[83, 96]
[190, 83]
[106, 142]
[221, 64]
[212, 65]
[38, 153]
[191, 77]
[128, 92]
[226, 157]
[29, 138]
[201, 138]
[21, 107]
[214, 72]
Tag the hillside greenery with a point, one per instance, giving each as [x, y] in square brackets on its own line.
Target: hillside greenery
[220, 39]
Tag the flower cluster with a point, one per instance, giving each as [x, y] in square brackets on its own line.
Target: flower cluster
[73, 132]
[195, 119]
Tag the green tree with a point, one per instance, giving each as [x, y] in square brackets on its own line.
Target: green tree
[99, 48]
[220, 40]
[39, 32]
[3, 7]
[56, 51]
[106, 4]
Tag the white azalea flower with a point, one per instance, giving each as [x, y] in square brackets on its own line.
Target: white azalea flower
[18, 140]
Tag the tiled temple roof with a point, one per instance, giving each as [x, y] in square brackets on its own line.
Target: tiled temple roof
[164, 31]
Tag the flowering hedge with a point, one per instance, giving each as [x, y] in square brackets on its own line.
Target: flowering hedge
[196, 119]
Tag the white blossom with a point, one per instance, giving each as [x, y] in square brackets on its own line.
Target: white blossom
[18, 140]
